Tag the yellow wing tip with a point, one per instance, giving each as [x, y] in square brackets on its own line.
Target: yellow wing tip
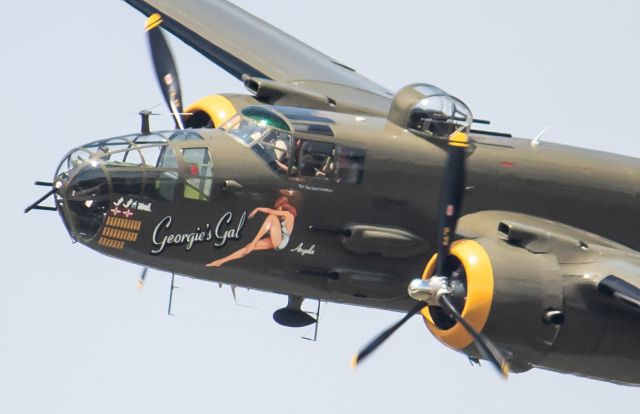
[152, 22]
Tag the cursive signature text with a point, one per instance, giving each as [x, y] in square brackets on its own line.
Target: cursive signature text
[300, 249]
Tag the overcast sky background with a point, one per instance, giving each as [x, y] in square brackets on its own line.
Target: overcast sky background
[76, 336]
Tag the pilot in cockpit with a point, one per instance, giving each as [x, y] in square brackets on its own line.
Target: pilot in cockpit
[281, 158]
[328, 166]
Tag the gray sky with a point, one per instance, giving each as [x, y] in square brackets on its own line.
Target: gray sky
[76, 336]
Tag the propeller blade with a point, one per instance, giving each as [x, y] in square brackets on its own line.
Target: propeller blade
[384, 335]
[142, 278]
[165, 67]
[485, 346]
[451, 194]
[452, 191]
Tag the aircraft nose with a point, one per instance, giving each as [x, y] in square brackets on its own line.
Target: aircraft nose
[83, 199]
[90, 177]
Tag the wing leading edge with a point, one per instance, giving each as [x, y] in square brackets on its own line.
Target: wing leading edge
[243, 44]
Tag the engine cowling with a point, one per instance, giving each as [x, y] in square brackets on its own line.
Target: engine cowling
[507, 294]
[536, 295]
[479, 279]
[210, 112]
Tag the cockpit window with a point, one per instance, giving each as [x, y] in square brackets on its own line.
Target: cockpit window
[245, 130]
[265, 117]
[161, 179]
[199, 176]
[330, 162]
[266, 133]
[275, 150]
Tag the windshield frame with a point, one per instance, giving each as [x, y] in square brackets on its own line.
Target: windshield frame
[249, 131]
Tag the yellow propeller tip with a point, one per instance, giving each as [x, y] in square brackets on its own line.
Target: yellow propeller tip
[459, 139]
[354, 361]
[504, 370]
[152, 22]
[140, 284]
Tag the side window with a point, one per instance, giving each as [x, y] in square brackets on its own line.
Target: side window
[167, 158]
[316, 159]
[160, 179]
[275, 150]
[326, 161]
[199, 175]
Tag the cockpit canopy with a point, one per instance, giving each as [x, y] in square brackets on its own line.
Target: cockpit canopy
[429, 110]
[264, 131]
[293, 142]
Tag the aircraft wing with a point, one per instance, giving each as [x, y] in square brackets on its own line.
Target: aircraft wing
[242, 44]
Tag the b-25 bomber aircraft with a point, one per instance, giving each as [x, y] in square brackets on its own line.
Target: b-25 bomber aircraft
[321, 184]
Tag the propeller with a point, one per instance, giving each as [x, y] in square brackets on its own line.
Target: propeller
[486, 348]
[142, 278]
[384, 335]
[165, 67]
[451, 195]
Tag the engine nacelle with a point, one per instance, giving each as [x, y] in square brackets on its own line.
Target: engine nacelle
[535, 295]
[210, 112]
[507, 295]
